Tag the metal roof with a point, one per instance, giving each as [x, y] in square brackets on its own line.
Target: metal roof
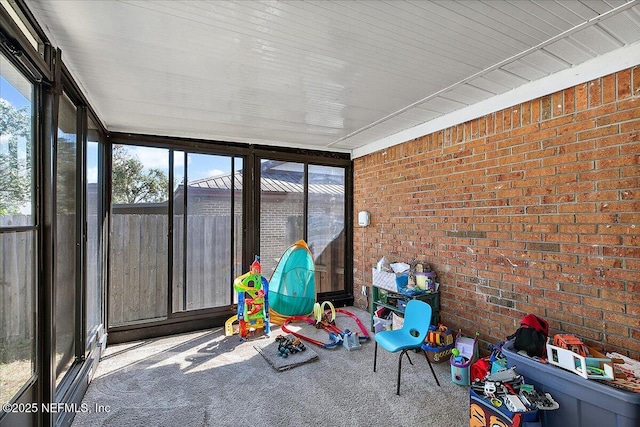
[278, 183]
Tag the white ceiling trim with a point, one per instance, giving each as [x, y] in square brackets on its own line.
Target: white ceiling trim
[612, 62]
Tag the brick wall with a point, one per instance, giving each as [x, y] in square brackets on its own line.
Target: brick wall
[532, 209]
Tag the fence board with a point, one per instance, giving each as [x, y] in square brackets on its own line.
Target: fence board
[138, 265]
[139, 273]
[178, 264]
[119, 223]
[17, 291]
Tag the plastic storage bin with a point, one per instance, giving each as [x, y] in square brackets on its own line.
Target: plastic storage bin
[380, 325]
[582, 402]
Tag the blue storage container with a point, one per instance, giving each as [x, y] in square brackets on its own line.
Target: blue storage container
[582, 402]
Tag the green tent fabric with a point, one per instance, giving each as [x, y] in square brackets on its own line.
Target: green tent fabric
[292, 288]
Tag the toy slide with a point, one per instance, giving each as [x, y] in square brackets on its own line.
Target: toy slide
[253, 303]
[228, 326]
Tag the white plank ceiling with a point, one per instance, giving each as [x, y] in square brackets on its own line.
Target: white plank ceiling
[349, 76]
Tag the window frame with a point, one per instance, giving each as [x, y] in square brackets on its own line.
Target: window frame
[185, 321]
[28, 388]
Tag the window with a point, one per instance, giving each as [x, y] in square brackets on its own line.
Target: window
[304, 203]
[93, 197]
[16, 14]
[207, 229]
[18, 232]
[66, 240]
[139, 228]
[186, 220]
[325, 218]
[281, 210]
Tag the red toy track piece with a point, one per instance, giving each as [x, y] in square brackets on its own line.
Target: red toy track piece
[329, 328]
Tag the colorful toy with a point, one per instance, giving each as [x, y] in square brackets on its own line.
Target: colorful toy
[571, 343]
[288, 345]
[462, 356]
[326, 320]
[253, 303]
[439, 336]
[439, 343]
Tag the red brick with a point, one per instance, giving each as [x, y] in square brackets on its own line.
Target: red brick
[582, 164]
[581, 94]
[599, 132]
[624, 84]
[595, 93]
[525, 113]
[608, 89]
[636, 81]
[621, 116]
[569, 100]
[535, 111]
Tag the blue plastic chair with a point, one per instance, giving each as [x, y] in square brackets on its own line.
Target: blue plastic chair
[417, 319]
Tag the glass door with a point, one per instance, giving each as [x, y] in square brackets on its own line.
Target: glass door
[282, 210]
[93, 250]
[304, 201]
[138, 261]
[66, 238]
[325, 224]
[18, 233]
[207, 229]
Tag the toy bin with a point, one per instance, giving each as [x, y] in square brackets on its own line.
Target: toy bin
[437, 353]
[380, 324]
[583, 402]
[439, 344]
[460, 370]
[467, 353]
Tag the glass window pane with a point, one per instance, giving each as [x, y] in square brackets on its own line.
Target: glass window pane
[138, 285]
[93, 193]
[238, 209]
[66, 237]
[325, 226]
[18, 249]
[17, 311]
[203, 252]
[16, 172]
[178, 291]
[281, 210]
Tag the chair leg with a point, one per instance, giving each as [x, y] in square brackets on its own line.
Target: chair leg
[400, 370]
[375, 356]
[407, 353]
[431, 367]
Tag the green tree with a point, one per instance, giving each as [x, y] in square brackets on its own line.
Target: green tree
[130, 184]
[15, 157]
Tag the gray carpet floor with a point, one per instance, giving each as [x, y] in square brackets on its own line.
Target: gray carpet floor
[207, 379]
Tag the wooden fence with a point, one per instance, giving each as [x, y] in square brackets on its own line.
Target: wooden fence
[138, 288]
[18, 281]
[17, 285]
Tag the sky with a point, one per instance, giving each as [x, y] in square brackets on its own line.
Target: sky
[9, 93]
[199, 165]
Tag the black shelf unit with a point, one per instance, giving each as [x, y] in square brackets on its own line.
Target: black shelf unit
[384, 298]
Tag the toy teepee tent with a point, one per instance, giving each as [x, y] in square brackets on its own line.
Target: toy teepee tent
[292, 288]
